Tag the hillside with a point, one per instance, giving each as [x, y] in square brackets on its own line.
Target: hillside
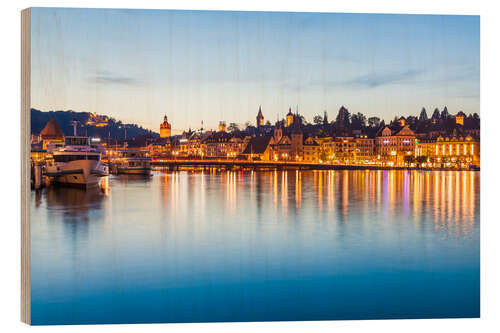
[88, 125]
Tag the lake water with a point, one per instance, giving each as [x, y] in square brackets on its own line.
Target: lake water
[254, 246]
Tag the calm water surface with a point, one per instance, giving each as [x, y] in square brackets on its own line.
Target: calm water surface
[253, 246]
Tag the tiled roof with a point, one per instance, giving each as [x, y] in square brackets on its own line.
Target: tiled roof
[257, 145]
[52, 130]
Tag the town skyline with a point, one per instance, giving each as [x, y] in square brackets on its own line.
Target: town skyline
[215, 66]
[443, 140]
[252, 122]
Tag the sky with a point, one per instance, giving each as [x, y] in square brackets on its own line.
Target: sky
[194, 66]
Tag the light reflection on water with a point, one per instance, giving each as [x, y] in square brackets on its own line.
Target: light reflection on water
[238, 246]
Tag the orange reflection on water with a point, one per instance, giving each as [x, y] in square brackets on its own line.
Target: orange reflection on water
[331, 189]
[345, 193]
[298, 189]
[284, 192]
[320, 189]
[445, 201]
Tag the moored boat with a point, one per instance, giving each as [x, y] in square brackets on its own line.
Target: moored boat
[77, 164]
[129, 161]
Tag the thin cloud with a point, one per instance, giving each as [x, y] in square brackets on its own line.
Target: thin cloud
[377, 80]
[107, 77]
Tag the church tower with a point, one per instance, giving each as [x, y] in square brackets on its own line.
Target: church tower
[222, 126]
[297, 139]
[260, 118]
[165, 128]
[289, 118]
[459, 118]
[278, 132]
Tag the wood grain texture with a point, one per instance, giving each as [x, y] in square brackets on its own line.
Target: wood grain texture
[25, 167]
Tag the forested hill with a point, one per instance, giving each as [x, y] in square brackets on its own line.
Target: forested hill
[88, 125]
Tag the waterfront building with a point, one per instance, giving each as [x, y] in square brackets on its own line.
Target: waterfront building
[165, 128]
[280, 144]
[52, 136]
[182, 146]
[344, 149]
[282, 148]
[161, 147]
[365, 148]
[259, 148]
[327, 147]
[237, 144]
[393, 147]
[311, 150]
[425, 149]
[216, 145]
[194, 145]
[456, 151]
[38, 156]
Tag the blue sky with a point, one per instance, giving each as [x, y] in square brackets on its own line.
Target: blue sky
[137, 65]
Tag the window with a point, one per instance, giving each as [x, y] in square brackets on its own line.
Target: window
[69, 158]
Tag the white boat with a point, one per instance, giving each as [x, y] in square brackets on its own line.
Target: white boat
[77, 163]
[129, 161]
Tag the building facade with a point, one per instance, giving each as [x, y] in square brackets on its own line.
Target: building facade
[393, 147]
[454, 151]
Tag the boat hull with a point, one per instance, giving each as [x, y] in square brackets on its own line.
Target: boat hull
[80, 173]
[134, 170]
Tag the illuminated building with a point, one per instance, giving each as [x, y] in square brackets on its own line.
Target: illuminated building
[216, 145]
[161, 147]
[194, 147]
[52, 135]
[454, 151]
[165, 128]
[236, 145]
[347, 149]
[222, 126]
[344, 149]
[311, 150]
[259, 148]
[460, 118]
[393, 147]
[365, 148]
[38, 156]
[402, 121]
[97, 120]
[289, 118]
[281, 145]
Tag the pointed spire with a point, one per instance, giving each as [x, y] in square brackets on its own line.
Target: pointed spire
[259, 115]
